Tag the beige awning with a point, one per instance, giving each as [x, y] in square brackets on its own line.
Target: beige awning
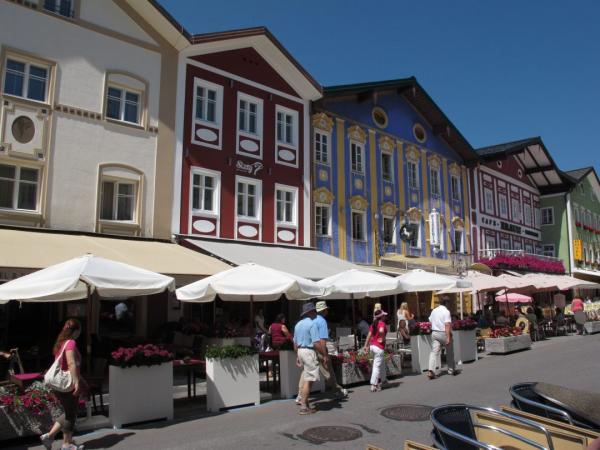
[25, 249]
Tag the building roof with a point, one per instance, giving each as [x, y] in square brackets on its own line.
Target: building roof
[580, 174]
[536, 160]
[414, 93]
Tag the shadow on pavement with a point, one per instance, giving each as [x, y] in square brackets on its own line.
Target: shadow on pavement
[107, 441]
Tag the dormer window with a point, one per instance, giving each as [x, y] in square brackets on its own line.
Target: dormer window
[61, 7]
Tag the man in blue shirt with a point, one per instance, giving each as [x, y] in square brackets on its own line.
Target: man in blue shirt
[306, 343]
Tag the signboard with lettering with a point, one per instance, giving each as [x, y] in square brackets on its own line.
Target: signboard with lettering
[250, 169]
[578, 250]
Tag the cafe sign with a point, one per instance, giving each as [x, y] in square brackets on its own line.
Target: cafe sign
[250, 169]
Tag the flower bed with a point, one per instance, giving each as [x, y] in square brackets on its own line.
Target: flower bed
[524, 262]
[464, 325]
[421, 328]
[506, 332]
[142, 355]
[507, 340]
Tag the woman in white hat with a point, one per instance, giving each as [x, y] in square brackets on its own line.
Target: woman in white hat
[376, 343]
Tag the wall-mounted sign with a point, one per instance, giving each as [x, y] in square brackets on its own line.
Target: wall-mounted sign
[578, 250]
[507, 227]
[250, 169]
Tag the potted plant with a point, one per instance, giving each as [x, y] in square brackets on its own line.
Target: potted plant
[140, 385]
[393, 364]
[507, 340]
[27, 413]
[231, 377]
[420, 346]
[464, 340]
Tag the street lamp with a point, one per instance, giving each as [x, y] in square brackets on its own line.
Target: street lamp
[459, 264]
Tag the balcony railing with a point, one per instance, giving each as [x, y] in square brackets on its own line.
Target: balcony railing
[493, 252]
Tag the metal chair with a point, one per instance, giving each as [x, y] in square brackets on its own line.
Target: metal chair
[526, 399]
[454, 429]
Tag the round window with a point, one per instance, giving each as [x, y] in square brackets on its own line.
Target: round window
[520, 173]
[419, 133]
[499, 164]
[379, 117]
[23, 129]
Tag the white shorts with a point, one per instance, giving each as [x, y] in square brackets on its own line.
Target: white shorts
[310, 363]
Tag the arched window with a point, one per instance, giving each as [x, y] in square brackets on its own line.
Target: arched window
[120, 193]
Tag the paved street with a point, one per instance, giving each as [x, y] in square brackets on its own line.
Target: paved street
[570, 361]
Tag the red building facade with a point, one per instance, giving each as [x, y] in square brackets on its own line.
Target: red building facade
[244, 172]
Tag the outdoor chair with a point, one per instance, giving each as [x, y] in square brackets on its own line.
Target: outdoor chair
[95, 379]
[455, 428]
[560, 327]
[526, 399]
[346, 343]
[411, 445]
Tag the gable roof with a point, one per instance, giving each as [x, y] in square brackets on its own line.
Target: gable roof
[414, 93]
[580, 174]
[535, 158]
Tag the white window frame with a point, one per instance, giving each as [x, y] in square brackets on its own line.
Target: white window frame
[17, 185]
[259, 123]
[258, 204]
[435, 182]
[390, 178]
[419, 231]
[294, 191]
[218, 123]
[57, 8]
[514, 216]
[216, 201]
[488, 198]
[357, 166]
[503, 205]
[319, 142]
[122, 101]
[383, 220]
[28, 63]
[283, 110]
[537, 217]
[318, 228]
[455, 181]
[118, 181]
[546, 210]
[364, 225]
[527, 214]
[413, 183]
[517, 245]
[461, 248]
[548, 250]
[505, 244]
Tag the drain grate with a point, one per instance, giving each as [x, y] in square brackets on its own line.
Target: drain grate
[408, 413]
[332, 434]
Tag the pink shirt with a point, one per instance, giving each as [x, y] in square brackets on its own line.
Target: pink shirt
[378, 335]
[70, 345]
[576, 305]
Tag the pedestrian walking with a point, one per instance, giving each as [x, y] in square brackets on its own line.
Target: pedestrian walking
[441, 334]
[306, 343]
[326, 370]
[65, 348]
[375, 342]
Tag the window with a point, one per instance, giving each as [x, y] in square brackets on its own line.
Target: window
[386, 167]
[248, 198]
[206, 103]
[413, 175]
[205, 190]
[286, 126]
[459, 245]
[537, 217]
[489, 200]
[503, 205]
[321, 147]
[516, 210]
[18, 187]
[504, 244]
[389, 228]
[358, 226]
[577, 215]
[357, 157]
[455, 188]
[415, 241]
[517, 245]
[434, 175]
[118, 201]
[286, 204]
[548, 216]
[548, 250]
[322, 215]
[249, 114]
[25, 79]
[61, 7]
[123, 105]
[527, 213]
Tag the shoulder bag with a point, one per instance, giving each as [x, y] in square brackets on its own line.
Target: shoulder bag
[56, 378]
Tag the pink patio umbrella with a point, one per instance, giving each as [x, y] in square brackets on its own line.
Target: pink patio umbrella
[513, 297]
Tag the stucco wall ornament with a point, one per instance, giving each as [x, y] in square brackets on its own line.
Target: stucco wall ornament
[323, 195]
[413, 154]
[386, 144]
[359, 203]
[357, 133]
[389, 209]
[322, 121]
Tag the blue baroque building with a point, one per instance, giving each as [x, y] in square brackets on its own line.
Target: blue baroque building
[390, 178]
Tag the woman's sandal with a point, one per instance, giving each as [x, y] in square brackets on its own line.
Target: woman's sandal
[431, 375]
[306, 411]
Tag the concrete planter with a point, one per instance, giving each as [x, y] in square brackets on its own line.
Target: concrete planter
[350, 373]
[507, 344]
[139, 394]
[15, 424]
[592, 327]
[232, 382]
[420, 348]
[222, 342]
[393, 366]
[464, 345]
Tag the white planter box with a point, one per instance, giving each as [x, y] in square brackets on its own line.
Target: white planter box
[508, 344]
[232, 382]
[289, 375]
[592, 327]
[139, 394]
[222, 342]
[420, 348]
[464, 343]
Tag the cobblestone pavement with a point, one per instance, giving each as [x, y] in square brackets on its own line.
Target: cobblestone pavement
[571, 361]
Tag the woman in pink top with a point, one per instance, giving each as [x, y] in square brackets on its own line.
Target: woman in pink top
[66, 348]
[376, 340]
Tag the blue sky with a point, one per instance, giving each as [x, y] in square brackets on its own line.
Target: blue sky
[500, 70]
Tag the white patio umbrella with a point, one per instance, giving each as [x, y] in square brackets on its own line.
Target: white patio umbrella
[79, 278]
[566, 282]
[419, 280]
[248, 283]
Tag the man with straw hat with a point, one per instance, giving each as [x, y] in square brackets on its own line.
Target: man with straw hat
[306, 343]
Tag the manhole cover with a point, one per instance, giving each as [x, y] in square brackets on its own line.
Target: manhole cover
[332, 434]
[408, 413]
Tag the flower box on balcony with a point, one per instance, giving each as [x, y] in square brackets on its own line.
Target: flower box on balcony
[578, 224]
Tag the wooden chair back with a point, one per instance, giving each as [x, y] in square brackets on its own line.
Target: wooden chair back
[485, 333]
[411, 445]
[560, 439]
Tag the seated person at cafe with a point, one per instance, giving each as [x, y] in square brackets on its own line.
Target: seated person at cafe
[558, 315]
[532, 317]
[363, 327]
[501, 320]
[403, 334]
[280, 335]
